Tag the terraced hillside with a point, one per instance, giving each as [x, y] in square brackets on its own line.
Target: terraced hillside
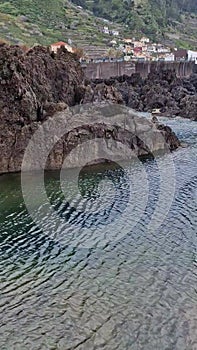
[45, 21]
[159, 19]
[184, 32]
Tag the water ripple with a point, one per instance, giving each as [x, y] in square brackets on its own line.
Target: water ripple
[137, 292]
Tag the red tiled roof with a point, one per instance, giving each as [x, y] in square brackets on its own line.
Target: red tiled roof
[60, 43]
[137, 49]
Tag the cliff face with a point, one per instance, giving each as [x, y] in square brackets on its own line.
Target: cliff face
[30, 80]
[88, 134]
[35, 86]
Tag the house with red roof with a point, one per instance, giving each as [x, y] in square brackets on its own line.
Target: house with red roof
[56, 46]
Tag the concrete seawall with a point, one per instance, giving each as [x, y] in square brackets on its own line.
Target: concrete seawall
[195, 68]
[105, 70]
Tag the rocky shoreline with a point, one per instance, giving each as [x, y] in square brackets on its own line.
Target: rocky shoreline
[36, 86]
[160, 90]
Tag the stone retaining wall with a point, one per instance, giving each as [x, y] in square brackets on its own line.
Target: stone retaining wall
[106, 70]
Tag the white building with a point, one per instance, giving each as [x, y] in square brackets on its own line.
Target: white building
[169, 57]
[162, 49]
[145, 40]
[106, 30]
[128, 41]
[192, 56]
[115, 32]
[151, 48]
[127, 58]
[113, 42]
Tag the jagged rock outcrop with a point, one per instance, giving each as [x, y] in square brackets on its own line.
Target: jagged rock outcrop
[161, 89]
[91, 133]
[29, 80]
[35, 86]
[102, 92]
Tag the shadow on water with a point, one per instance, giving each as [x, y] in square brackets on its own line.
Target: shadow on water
[16, 224]
[21, 239]
[88, 182]
[137, 292]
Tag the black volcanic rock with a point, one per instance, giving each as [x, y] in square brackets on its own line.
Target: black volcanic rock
[102, 92]
[33, 84]
[161, 89]
[36, 86]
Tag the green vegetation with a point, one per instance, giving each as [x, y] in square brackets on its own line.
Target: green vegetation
[154, 18]
[45, 21]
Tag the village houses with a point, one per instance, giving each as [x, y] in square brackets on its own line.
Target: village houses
[192, 56]
[132, 49]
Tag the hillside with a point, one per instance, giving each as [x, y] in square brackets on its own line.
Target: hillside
[155, 18]
[150, 14]
[45, 21]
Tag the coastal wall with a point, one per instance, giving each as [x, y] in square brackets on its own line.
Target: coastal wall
[195, 68]
[182, 69]
[105, 70]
